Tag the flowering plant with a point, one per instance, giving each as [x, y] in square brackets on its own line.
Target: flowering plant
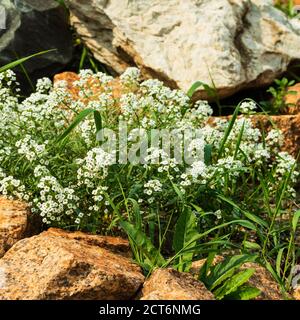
[234, 172]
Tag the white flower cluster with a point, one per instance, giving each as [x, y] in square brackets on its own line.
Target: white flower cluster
[80, 187]
[131, 76]
[198, 169]
[230, 166]
[196, 149]
[151, 188]
[94, 165]
[248, 107]
[30, 148]
[54, 201]
[200, 112]
[43, 85]
[99, 199]
[12, 188]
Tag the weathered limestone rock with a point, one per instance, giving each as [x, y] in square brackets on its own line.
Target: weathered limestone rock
[169, 284]
[261, 279]
[33, 26]
[237, 43]
[13, 223]
[61, 265]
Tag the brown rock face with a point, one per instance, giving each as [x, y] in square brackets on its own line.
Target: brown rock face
[169, 284]
[261, 279]
[289, 126]
[13, 223]
[296, 294]
[69, 78]
[68, 266]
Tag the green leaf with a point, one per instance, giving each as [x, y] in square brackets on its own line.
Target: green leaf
[82, 58]
[15, 63]
[239, 141]
[234, 283]
[295, 220]
[80, 117]
[228, 130]
[194, 87]
[244, 293]
[249, 215]
[143, 243]
[98, 120]
[185, 231]
[207, 154]
[136, 213]
[226, 269]
[279, 260]
[251, 245]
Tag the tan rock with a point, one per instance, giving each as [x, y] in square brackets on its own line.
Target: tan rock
[296, 294]
[262, 279]
[289, 125]
[113, 244]
[245, 43]
[13, 222]
[62, 266]
[69, 78]
[169, 284]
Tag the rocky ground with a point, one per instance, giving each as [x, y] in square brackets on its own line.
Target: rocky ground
[56, 264]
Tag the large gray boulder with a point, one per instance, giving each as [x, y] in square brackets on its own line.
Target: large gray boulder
[237, 43]
[32, 26]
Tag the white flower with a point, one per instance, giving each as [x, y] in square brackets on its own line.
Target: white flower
[152, 186]
[198, 169]
[248, 107]
[43, 85]
[130, 76]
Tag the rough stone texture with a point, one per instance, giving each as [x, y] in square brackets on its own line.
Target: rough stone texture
[239, 43]
[59, 265]
[69, 78]
[261, 279]
[33, 26]
[289, 126]
[169, 284]
[296, 294]
[13, 223]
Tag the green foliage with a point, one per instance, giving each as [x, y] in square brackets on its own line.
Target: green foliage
[18, 62]
[279, 93]
[287, 7]
[226, 280]
[238, 195]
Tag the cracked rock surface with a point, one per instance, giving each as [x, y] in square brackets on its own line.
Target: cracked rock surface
[13, 222]
[60, 265]
[238, 43]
